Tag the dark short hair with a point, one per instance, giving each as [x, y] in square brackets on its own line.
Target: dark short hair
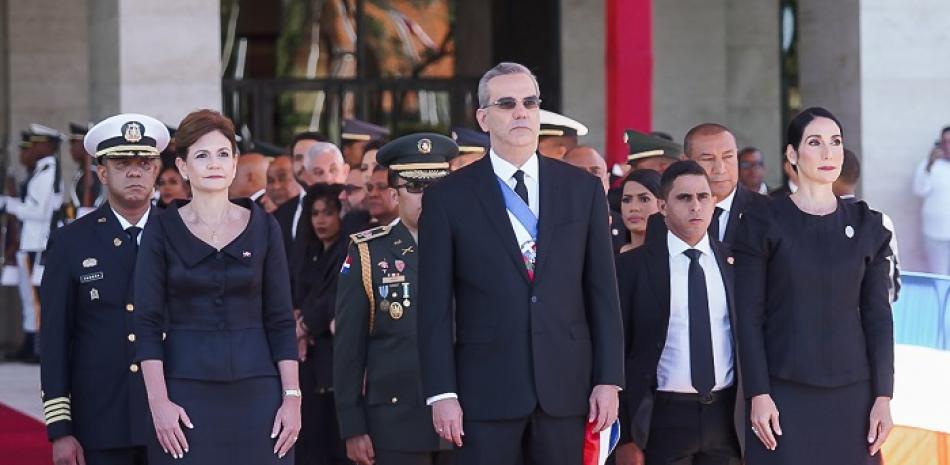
[704, 129]
[306, 135]
[647, 178]
[850, 168]
[796, 127]
[676, 170]
[944, 131]
[749, 149]
[199, 123]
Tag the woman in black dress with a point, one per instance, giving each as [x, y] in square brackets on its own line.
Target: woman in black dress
[638, 201]
[816, 345]
[214, 320]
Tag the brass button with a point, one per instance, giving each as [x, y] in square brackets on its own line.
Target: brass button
[395, 400]
[131, 337]
[129, 307]
[134, 368]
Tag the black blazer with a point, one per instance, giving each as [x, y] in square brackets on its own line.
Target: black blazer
[89, 389]
[643, 275]
[519, 343]
[813, 306]
[285, 219]
[228, 312]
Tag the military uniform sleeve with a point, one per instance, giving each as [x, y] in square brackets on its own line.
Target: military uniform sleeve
[36, 206]
[58, 293]
[278, 308]
[151, 271]
[349, 347]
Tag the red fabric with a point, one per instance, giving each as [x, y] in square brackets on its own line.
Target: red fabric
[22, 439]
[629, 73]
[591, 445]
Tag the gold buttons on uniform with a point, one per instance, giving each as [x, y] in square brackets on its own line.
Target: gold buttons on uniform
[395, 400]
[129, 307]
[131, 337]
[134, 368]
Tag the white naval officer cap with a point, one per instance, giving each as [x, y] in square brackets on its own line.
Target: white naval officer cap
[556, 124]
[126, 135]
[40, 133]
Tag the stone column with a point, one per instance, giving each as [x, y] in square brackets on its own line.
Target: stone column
[583, 83]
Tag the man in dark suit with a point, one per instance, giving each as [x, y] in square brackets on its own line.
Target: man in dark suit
[676, 297]
[93, 395]
[516, 262]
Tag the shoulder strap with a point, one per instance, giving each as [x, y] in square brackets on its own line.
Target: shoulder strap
[366, 272]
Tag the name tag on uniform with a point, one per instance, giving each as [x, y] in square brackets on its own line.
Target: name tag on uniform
[88, 278]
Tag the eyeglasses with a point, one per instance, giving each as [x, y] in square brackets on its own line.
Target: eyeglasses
[509, 103]
[414, 187]
[351, 188]
[751, 164]
[370, 187]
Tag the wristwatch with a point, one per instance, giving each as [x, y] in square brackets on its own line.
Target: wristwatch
[292, 393]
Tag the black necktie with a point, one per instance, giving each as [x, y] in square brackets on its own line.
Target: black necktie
[133, 233]
[714, 225]
[520, 188]
[701, 364]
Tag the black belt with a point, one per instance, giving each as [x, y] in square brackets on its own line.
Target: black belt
[711, 398]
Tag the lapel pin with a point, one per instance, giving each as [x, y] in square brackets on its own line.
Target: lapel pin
[102, 219]
[849, 231]
[615, 231]
[117, 242]
[246, 254]
[89, 263]
[730, 260]
[94, 294]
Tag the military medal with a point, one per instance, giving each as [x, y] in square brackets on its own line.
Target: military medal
[94, 294]
[405, 294]
[395, 311]
[89, 263]
[384, 305]
[529, 251]
[383, 290]
[383, 266]
[394, 278]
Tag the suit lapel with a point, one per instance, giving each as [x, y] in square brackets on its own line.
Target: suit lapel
[724, 259]
[658, 267]
[494, 205]
[738, 206]
[546, 220]
[110, 232]
[404, 248]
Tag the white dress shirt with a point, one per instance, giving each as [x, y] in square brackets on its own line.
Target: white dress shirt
[124, 223]
[726, 206]
[297, 214]
[506, 171]
[257, 195]
[673, 373]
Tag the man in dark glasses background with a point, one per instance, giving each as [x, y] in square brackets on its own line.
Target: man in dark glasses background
[752, 170]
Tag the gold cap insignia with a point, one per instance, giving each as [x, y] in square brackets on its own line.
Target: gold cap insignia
[132, 131]
[424, 146]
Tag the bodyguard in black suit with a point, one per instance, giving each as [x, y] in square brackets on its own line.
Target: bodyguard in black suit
[93, 396]
[289, 214]
[538, 345]
[382, 412]
[676, 298]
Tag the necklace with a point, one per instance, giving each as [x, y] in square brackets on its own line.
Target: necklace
[214, 231]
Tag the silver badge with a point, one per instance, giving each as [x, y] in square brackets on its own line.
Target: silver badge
[89, 263]
[849, 231]
[94, 294]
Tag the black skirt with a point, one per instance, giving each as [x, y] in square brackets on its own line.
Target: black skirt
[232, 422]
[820, 426]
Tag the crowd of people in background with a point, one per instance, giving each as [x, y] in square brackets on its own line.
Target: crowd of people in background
[313, 294]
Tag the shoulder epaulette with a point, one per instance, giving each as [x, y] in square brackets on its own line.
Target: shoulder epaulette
[370, 234]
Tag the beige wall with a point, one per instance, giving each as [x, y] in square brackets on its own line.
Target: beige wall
[718, 61]
[583, 67]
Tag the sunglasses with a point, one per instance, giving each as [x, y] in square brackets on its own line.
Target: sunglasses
[370, 187]
[413, 187]
[509, 103]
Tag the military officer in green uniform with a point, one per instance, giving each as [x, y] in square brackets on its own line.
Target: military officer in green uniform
[383, 415]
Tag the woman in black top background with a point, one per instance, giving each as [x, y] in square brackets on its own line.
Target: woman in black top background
[319, 251]
[214, 320]
[638, 201]
[815, 335]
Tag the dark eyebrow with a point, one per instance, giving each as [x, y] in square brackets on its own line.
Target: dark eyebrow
[684, 196]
